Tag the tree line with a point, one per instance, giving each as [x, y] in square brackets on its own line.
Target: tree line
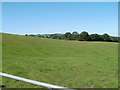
[83, 36]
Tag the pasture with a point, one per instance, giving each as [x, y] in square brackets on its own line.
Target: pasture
[73, 64]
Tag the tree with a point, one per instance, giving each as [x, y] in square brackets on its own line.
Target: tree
[80, 38]
[32, 35]
[75, 35]
[106, 37]
[84, 36]
[26, 35]
[68, 36]
[114, 39]
[95, 37]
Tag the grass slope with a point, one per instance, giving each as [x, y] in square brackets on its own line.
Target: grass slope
[73, 64]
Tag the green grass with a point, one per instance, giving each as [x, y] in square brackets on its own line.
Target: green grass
[73, 64]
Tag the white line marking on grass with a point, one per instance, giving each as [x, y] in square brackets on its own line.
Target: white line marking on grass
[33, 82]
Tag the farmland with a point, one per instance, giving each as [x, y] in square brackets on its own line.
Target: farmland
[73, 64]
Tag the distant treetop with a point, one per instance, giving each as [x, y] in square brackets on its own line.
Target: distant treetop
[83, 36]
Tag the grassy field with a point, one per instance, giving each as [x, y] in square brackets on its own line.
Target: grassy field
[73, 64]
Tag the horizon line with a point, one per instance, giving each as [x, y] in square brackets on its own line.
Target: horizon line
[57, 33]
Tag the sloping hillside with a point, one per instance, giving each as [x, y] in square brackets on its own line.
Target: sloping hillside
[73, 64]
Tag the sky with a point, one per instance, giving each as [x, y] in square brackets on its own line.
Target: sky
[60, 17]
[60, 0]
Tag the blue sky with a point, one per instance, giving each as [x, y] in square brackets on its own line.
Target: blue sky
[60, 17]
